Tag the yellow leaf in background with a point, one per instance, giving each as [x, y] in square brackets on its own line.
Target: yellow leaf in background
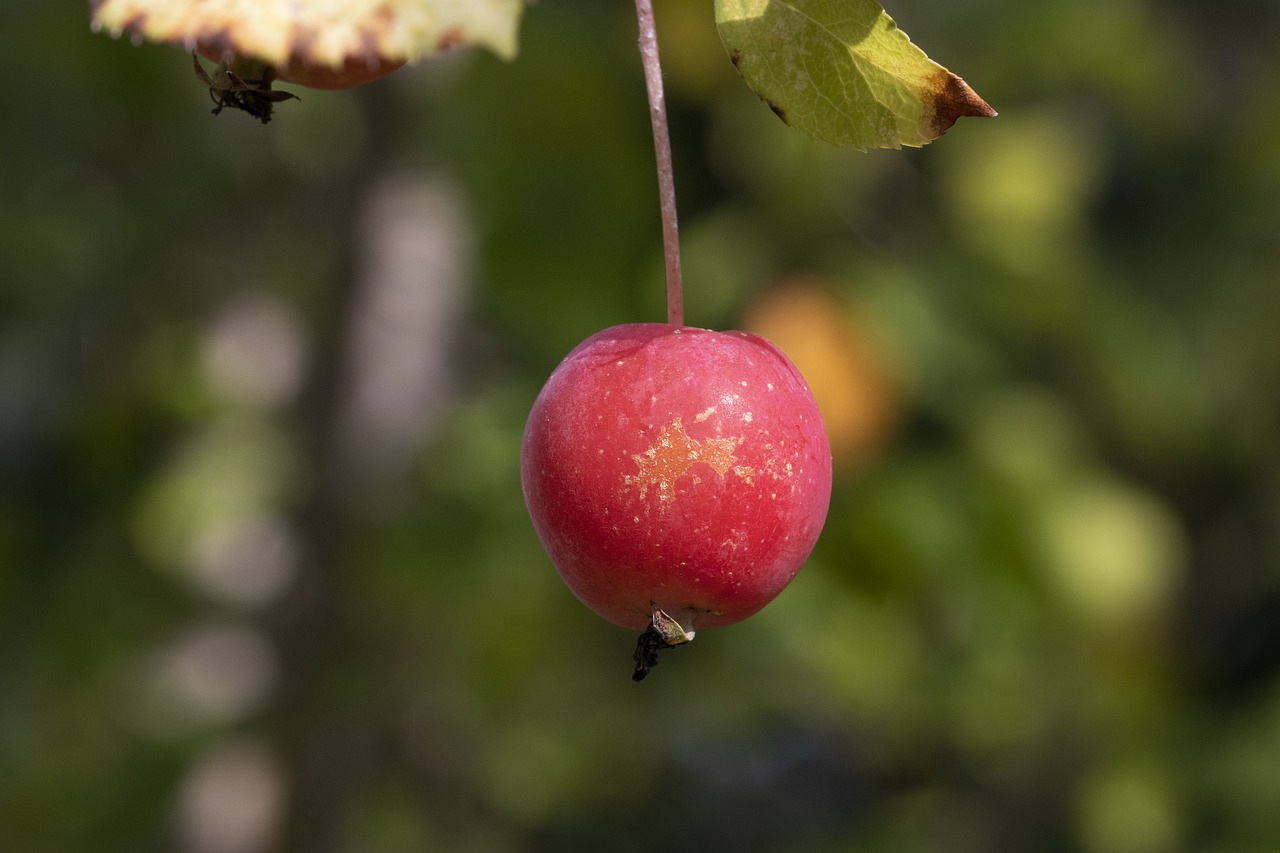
[324, 34]
[851, 378]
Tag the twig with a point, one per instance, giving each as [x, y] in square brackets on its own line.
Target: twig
[662, 148]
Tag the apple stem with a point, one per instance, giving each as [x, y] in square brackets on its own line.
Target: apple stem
[662, 148]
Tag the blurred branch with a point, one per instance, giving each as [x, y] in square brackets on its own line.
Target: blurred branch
[381, 366]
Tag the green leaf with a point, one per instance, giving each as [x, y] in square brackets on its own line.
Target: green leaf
[329, 34]
[840, 71]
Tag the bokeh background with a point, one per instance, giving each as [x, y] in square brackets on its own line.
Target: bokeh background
[266, 578]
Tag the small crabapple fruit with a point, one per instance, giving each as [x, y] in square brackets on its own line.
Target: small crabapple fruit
[677, 477]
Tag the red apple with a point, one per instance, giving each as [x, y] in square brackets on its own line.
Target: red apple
[677, 477]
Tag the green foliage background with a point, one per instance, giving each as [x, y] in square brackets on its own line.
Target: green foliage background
[1044, 616]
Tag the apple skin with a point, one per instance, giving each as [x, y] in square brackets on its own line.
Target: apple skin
[354, 72]
[674, 468]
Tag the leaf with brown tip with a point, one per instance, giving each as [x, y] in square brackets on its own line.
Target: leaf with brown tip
[841, 71]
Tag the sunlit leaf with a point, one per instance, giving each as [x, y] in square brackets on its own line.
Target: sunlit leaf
[840, 71]
[331, 34]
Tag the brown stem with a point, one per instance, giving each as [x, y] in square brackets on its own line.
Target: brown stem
[662, 148]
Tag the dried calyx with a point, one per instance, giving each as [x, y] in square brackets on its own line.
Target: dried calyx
[663, 632]
[242, 84]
